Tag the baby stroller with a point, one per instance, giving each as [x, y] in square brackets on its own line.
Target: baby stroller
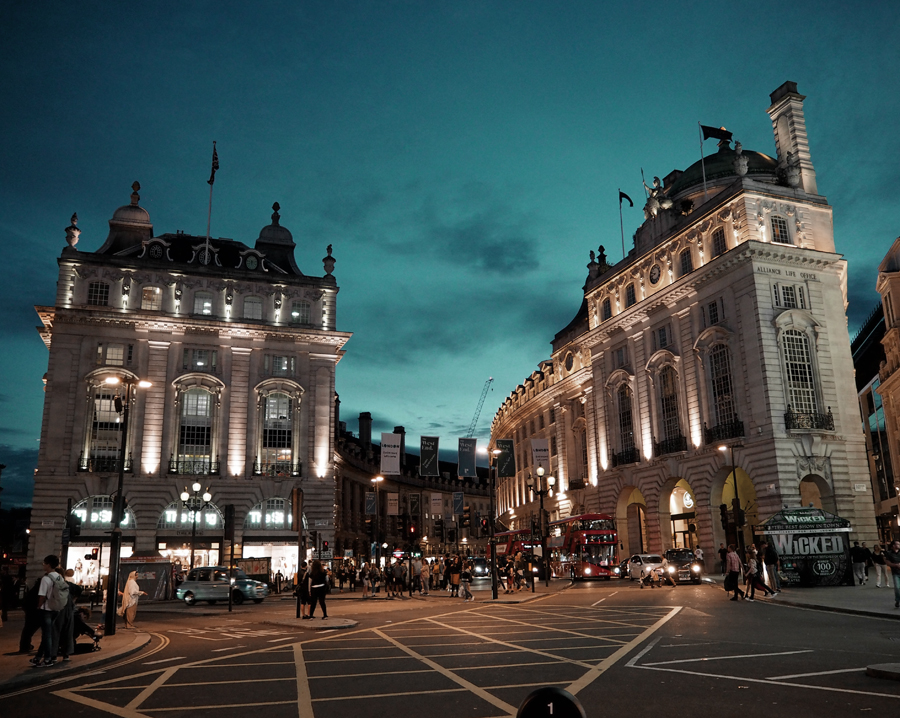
[82, 628]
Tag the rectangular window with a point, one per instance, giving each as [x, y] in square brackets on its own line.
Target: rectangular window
[552, 415]
[98, 294]
[687, 262]
[712, 313]
[780, 231]
[630, 297]
[619, 357]
[253, 308]
[200, 360]
[114, 354]
[151, 299]
[279, 365]
[662, 337]
[888, 310]
[203, 303]
[300, 313]
[718, 242]
[790, 296]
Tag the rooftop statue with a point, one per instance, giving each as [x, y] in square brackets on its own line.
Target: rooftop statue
[656, 200]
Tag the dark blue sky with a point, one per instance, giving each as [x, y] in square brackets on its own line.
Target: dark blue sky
[462, 158]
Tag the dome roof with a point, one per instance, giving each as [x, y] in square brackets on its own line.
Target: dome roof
[274, 233]
[132, 213]
[721, 164]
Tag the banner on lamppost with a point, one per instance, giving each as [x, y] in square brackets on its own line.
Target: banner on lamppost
[540, 454]
[466, 461]
[370, 503]
[414, 505]
[506, 459]
[390, 453]
[459, 500]
[428, 456]
[393, 504]
[437, 505]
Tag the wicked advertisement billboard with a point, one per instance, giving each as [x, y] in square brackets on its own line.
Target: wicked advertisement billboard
[812, 544]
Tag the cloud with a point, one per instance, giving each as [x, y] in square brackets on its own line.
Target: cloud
[17, 480]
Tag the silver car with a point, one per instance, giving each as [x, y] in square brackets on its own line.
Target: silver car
[211, 584]
[643, 563]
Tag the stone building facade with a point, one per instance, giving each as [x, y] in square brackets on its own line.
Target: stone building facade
[240, 348]
[721, 334]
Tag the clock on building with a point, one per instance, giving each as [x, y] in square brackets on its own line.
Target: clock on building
[654, 274]
[156, 251]
[205, 256]
[251, 262]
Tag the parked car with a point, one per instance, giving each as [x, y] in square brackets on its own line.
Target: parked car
[643, 563]
[211, 584]
[683, 565]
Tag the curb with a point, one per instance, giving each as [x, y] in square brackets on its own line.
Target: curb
[890, 671]
[70, 670]
[344, 624]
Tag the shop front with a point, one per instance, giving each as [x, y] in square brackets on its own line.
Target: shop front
[88, 555]
[268, 534]
[183, 534]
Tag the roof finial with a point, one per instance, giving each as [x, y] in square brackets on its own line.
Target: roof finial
[275, 215]
[134, 195]
[72, 232]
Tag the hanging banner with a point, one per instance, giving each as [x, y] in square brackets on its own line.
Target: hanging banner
[437, 505]
[390, 454]
[428, 456]
[414, 505]
[370, 503]
[540, 454]
[459, 500]
[393, 504]
[506, 459]
[466, 461]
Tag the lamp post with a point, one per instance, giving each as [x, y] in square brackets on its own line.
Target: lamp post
[537, 487]
[377, 480]
[736, 504]
[118, 513]
[190, 501]
[492, 472]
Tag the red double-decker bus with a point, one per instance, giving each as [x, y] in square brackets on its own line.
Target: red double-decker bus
[585, 546]
[509, 543]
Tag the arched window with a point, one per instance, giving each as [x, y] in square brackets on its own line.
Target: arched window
[178, 516]
[798, 365]
[717, 243]
[276, 455]
[630, 297]
[687, 262]
[151, 299]
[253, 308]
[670, 426]
[105, 433]
[721, 385]
[780, 230]
[606, 311]
[195, 449]
[95, 513]
[300, 312]
[203, 303]
[270, 515]
[98, 294]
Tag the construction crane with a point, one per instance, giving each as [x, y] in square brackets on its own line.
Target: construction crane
[487, 385]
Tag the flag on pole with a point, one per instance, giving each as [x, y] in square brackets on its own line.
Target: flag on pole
[622, 196]
[215, 165]
[719, 133]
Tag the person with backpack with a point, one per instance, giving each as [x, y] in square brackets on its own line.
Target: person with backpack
[53, 595]
[65, 620]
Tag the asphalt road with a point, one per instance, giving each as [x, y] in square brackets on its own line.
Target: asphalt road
[620, 650]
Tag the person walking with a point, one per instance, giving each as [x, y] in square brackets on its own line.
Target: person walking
[892, 559]
[364, 579]
[858, 557]
[733, 573]
[53, 594]
[723, 556]
[130, 596]
[318, 587]
[754, 580]
[33, 618]
[773, 563]
[465, 578]
[455, 570]
[303, 590]
[880, 566]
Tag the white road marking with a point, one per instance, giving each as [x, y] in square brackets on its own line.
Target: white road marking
[726, 658]
[286, 638]
[817, 673]
[163, 660]
[230, 648]
[304, 698]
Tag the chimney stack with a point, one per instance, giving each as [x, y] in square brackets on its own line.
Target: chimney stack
[365, 429]
[402, 431]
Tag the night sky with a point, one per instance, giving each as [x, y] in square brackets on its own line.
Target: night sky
[462, 157]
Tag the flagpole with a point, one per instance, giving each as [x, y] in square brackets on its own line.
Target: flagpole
[621, 225]
[702, 163]
[211, 183]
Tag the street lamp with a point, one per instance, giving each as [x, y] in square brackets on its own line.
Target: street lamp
[492, 472]
[536, 487]
[377, 480]
[191, 501]
[118, 513]
[736, 504]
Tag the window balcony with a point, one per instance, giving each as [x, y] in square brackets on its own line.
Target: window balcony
[277, 468]
[193, 467]
[628, 456]
[794, 420]
[103, 464]
[670, 446]
[720, 432]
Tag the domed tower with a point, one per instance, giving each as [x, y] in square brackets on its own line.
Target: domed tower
[277, 243]
[130, 225]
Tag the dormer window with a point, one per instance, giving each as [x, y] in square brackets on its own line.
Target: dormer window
[780, 230]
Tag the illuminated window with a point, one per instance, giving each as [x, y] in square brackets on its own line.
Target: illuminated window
[114, 354]
[668, 403]
[151, 299]
[625, 417]
[200, 360]
[300, 312]
[270, 515]
[279, 365]
[178, 516]
[780, 230]
[720, 380]
[798, 365]
[203, 303]
[195, 432]
[253, 308]
[98, 294]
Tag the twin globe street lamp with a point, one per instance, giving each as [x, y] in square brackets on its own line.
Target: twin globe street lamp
[195, 503]
[537, 487]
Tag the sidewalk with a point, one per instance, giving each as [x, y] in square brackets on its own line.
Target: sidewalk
[17, 673]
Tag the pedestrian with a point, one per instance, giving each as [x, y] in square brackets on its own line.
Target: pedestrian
[868, 559]
[53, 595]
[417, 574]
[465, 579]
[723, 556]
[892, 559]
[880, 566]
[318, 587]
[455, 571]
[364, 578]
[698, 554]
[666, 575]
[33, 617]
[858, 556]
[130, 596]
[65, 620]
[351, 576]
[303, 590]
[754, 579]
[7, 593]
[651, 578]
[772, 563]
[279, 578]
[436, 574]
[733, 570]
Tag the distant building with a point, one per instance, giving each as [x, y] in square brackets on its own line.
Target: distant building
[724, 326]
[240, 347]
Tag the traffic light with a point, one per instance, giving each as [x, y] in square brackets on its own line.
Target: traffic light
[401, 524]
[324, 545]
[413, 530]
[451, 535]
[485, 526]
[466, 517]
[95, 554]
[73, 523]
[739, 516]
[370, 529]
[723, 510]
[439, 529]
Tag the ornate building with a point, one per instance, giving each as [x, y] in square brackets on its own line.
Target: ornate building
[721, 334]
[240, 350]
